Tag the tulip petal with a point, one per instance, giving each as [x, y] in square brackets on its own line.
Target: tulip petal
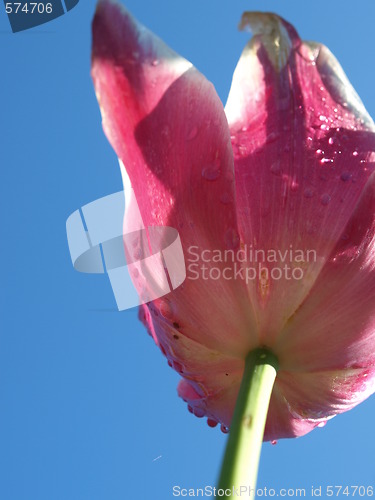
[210, 381]
[303, 149]
[339, 312]
[168, 127]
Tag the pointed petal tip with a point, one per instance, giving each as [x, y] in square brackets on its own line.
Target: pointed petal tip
[276, 34]
[259, 23]
[104, 4]
[266, 24]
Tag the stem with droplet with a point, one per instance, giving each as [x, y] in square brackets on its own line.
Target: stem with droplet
[241, 459]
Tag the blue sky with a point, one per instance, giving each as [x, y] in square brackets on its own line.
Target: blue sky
[88, 405]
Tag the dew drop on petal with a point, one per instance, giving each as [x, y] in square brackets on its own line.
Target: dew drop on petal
[224, 429]
[211, 172]
[155, 62]
[211, 422]
[294, 186]
[345, 176]
[198, 412]
[275, 168]
[272, 137]
[242, 150]
[308, 193]
[355, 153]
[322, 424]
[273, 442]
[326, 160]
[325, 199]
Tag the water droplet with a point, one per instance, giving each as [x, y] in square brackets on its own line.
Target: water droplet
[198, 412]
[244, 129]
[155, 62]
[355, 153]
[294, 185]
[323, 118]
[319, 152]
[242, 150]
[272, 137]
[211, 422]
[308, 193]
[326, 160]
[345, 176]
[273, 442]
[192, 134]
[211, 172]
[331, 140]
[322, 424]
[231, 238]
[325, 199]
[224, 429]
[275, 168]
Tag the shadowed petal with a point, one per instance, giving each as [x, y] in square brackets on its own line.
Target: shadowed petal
[168, 127]
[339, 312]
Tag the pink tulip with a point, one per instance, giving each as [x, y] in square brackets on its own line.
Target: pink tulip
[287, 168]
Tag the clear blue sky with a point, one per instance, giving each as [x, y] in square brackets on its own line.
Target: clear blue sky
[87, 402]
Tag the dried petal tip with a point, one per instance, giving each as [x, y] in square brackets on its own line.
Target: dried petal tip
[274, 33]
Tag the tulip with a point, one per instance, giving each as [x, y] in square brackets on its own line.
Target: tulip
[284, 173]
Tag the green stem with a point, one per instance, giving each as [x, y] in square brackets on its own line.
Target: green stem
[240, 464]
